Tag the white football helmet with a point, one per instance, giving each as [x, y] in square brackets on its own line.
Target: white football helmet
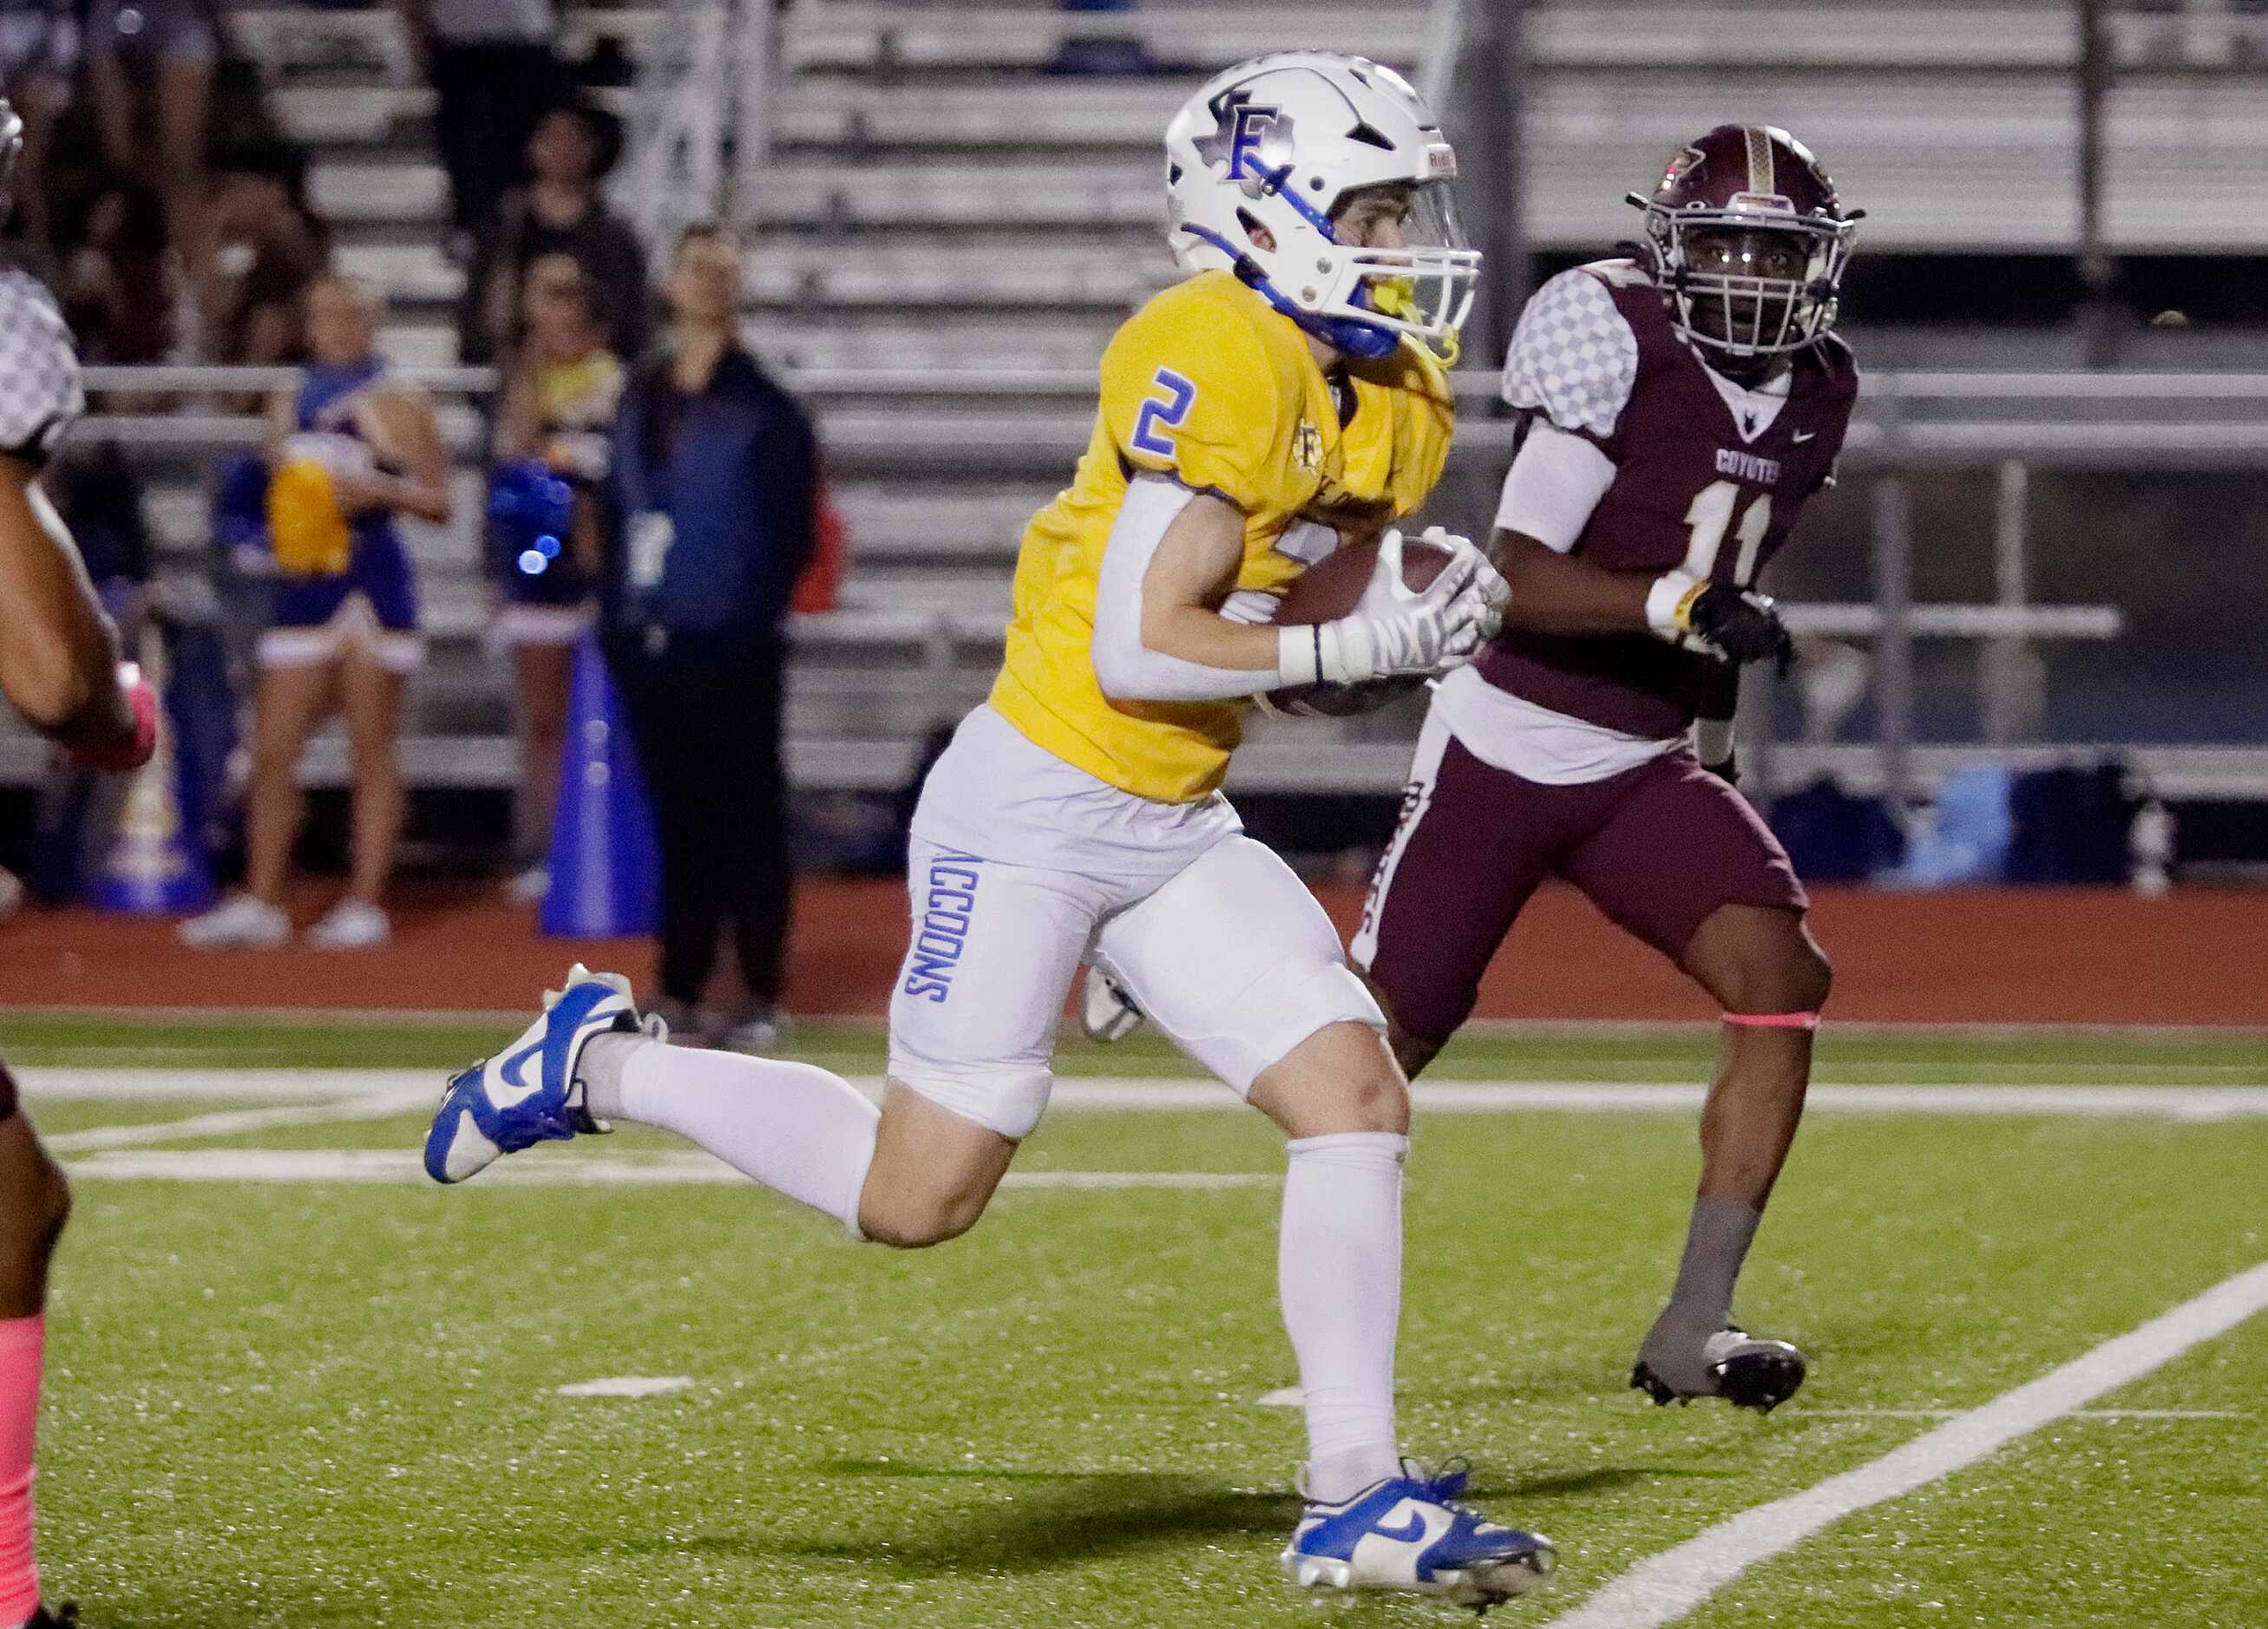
[1284, 142]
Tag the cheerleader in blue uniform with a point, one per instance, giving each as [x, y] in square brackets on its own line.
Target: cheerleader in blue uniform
[552, 449]
[355, 450]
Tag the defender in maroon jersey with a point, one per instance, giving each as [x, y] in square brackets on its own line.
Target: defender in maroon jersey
[59, 668]
[1677, 412]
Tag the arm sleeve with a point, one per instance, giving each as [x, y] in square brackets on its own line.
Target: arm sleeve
[1127, 669]
[1188, 394]
[1554, 481]
[40, 392]
[1574, 358]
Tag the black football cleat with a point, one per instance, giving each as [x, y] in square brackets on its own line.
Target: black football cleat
[1745, 1371]
[64, 1616]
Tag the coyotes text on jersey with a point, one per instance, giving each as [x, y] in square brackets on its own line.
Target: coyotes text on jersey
[1695, 487]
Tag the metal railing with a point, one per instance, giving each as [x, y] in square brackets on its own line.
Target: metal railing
[701, 122]
[1909, 422]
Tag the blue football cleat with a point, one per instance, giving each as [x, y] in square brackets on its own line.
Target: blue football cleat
[527, 1094]
[1408, 1532]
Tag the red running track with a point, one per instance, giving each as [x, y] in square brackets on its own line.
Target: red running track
[1987, 956]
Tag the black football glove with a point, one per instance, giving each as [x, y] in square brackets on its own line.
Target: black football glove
[1745, 626]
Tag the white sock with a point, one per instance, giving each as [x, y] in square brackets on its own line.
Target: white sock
[798, 1130]
[1338, 1272]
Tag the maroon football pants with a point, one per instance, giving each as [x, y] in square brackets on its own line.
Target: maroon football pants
[1657, 849]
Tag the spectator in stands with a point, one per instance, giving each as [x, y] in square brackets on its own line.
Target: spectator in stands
[711, 515]
[40, 44]
[559, 211]
[149, 70]
[243, 117]
[115, 280]
[260, 252]
[351, 452]
[556, 427]
[117, 275]
[492, 65]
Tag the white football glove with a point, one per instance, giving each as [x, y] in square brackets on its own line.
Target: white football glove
[1397, 631]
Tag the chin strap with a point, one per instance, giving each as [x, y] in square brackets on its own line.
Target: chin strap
[1774, 1020]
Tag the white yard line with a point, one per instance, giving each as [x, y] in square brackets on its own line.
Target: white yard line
[403, 1166]
[628, 1385]
[1664, 1588]
[1437, 1096]
[2180, 1103]
[382, 1105]
[57, 1085]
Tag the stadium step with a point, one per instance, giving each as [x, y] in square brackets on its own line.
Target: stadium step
[331, 115]
[846, 36]
[1028, 193]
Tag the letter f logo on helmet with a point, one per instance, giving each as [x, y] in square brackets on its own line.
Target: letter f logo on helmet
[1243, 136]
[1253, 126]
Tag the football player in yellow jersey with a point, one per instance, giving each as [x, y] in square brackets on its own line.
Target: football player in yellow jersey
[1279, 400]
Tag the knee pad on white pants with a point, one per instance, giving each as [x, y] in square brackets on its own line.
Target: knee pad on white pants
[1002, 1097]
[1327, 995]
[1236, 961]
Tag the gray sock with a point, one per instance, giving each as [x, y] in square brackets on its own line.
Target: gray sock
[1716, 1243]
[600, 1070]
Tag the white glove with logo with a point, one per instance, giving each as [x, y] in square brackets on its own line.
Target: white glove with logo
[1397, 631]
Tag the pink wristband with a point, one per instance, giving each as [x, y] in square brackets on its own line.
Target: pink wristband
[1774, 1020]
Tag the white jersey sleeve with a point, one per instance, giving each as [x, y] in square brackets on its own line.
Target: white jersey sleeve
[1574, 357]
[40, 392]
[1554, 481]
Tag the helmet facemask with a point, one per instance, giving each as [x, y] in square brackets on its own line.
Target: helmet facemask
[1748, 281]
[1393, 264]
[1418, 277]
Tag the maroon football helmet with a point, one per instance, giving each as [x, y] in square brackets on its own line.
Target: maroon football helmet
[1748, 241]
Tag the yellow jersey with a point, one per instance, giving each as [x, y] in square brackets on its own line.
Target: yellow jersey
[1211, 386]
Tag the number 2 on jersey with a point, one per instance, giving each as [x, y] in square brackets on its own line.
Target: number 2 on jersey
[1711, 514]
[1163, 414]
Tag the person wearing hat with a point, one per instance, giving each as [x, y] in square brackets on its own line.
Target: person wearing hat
[558, 211]
[709, 514]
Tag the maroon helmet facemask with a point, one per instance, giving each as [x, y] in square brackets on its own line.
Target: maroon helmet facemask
[1724, 205]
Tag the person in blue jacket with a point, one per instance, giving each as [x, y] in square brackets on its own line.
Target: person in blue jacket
[710, 519]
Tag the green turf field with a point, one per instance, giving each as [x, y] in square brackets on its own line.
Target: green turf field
[1640, 1052]
[316, 1402]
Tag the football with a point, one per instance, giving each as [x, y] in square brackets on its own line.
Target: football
[1330, 589]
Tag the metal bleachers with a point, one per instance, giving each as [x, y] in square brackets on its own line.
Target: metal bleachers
[943, 201]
